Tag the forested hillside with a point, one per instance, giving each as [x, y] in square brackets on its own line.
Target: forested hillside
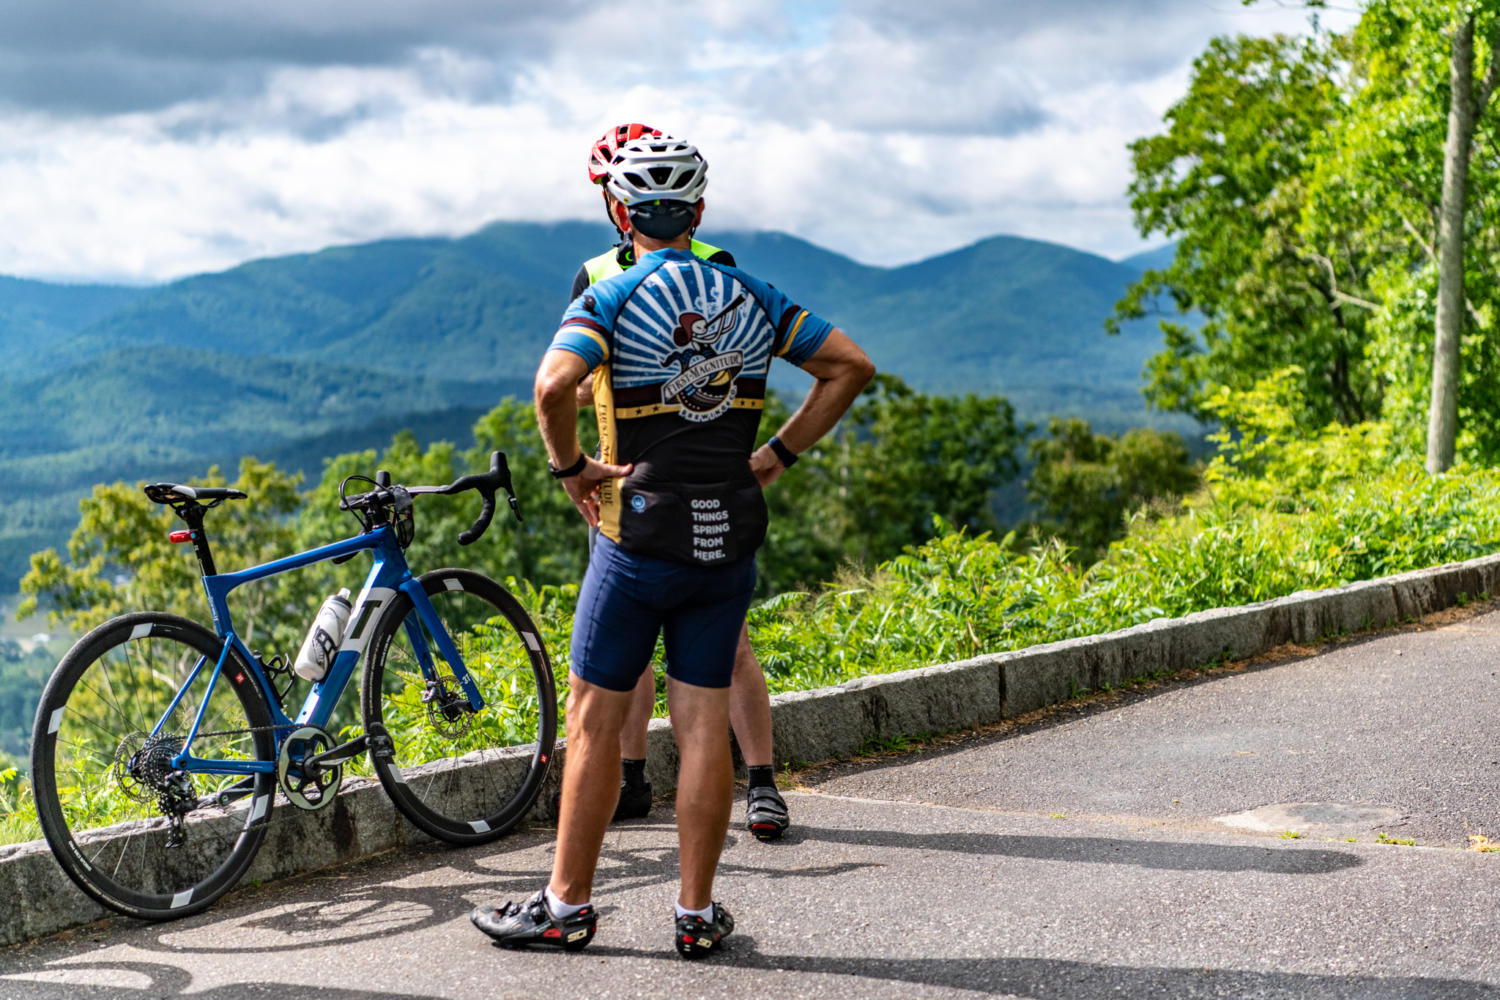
[301, 357]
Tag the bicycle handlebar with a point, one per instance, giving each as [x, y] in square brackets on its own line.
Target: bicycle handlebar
[486, 483]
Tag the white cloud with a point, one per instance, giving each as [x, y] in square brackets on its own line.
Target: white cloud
[886, 131]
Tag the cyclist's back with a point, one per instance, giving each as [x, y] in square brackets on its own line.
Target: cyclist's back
[684, 346]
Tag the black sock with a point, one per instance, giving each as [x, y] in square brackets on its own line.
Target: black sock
[634, 772]
[762, 776]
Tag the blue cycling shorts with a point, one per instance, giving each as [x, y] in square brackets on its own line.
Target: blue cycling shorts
[627, 599]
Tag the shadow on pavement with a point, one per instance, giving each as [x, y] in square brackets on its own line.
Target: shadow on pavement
[1038, 978]
[1166, 855]
[324, 913]
[1057, 979]
[148, 979]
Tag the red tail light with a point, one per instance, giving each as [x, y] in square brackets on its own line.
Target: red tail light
[180, 536]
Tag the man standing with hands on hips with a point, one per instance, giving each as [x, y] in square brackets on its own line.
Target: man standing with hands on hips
[685, 346]
[749, 701]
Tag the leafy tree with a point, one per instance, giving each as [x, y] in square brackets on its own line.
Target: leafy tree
[120, 559]
[1227, 180]
[549, 546]
[1398, 161]
[1086, 483]
[901, 457]
[22, 674]
[1265, 459]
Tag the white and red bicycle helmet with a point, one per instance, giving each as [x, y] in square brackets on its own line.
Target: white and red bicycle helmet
[603, 151]
[657, 169]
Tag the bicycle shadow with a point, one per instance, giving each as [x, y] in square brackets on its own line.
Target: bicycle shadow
[125, 980]
[308, 916]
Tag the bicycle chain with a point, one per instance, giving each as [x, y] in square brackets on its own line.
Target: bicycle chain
[251, 729]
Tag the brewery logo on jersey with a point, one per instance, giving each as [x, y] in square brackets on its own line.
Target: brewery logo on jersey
[704, 384]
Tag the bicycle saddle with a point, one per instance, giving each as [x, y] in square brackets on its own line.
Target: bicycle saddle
[176, 493]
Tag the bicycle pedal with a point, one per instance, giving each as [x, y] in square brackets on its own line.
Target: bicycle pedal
[380, 744]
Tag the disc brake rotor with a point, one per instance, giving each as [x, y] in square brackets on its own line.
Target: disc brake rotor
[125, 779]
[448, 707]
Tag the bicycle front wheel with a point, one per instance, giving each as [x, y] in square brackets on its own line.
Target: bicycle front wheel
[132, 831]
[461, 775]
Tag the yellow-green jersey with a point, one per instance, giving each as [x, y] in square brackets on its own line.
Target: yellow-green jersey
[617, 259]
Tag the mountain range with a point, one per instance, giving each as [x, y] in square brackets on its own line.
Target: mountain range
[298, 357]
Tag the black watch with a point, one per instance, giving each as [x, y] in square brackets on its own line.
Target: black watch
[788, 456]
[571, 470]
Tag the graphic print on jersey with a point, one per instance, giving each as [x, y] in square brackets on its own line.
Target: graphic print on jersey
[693, 325]
[704, 387]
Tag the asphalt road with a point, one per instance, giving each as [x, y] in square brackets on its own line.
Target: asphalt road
[1135, 847]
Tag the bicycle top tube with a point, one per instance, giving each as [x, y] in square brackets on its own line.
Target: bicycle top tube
[389, 570]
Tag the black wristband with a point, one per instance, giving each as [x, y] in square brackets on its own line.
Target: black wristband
[571, 470]
[787, 456]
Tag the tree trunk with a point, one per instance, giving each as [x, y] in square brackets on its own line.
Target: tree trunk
[1442, 414]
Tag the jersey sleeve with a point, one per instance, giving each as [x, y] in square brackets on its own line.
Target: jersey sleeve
[584, 331]
[722, 257]
[580, 282]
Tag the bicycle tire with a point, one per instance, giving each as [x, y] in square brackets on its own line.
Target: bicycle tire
[99, 787]
[473, 786]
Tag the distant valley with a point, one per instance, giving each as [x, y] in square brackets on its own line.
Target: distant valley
[299, 357]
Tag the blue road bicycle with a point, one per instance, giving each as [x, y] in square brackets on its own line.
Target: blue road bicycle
[159, 745]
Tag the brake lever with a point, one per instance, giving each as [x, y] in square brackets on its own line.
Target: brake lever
[486, 484]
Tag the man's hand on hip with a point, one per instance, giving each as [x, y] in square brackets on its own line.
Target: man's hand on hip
[583, 489]
[766, 465]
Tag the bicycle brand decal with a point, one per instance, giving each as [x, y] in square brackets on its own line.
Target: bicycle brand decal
[366, 610]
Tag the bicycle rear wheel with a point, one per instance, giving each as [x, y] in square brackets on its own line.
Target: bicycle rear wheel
[133, 833]
[462, 776]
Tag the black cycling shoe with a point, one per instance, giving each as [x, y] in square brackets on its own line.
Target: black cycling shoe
[697, 937]
[515, 925]
[635, 803]
[765, 813]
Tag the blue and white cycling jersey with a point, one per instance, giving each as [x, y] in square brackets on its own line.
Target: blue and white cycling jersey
[680, 349]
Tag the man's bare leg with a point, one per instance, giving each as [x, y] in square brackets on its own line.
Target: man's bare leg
[590, 785]
[750, 711]
[705, 785]
[638, 717]
[750, 704]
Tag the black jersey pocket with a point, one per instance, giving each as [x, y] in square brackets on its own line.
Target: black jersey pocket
[702, 525]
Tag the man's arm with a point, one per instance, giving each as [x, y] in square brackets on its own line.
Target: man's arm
[557, 419]
[842, 371]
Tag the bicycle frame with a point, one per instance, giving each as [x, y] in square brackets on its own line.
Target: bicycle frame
[388, 575]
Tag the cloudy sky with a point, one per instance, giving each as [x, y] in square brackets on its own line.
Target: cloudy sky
[146, 140]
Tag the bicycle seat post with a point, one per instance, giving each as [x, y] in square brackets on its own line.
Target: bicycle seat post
[192, 514]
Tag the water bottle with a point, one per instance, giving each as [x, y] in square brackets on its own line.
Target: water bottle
[322, 642]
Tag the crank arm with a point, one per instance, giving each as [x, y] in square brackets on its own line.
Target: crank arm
[245, 786]
[335, 756]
